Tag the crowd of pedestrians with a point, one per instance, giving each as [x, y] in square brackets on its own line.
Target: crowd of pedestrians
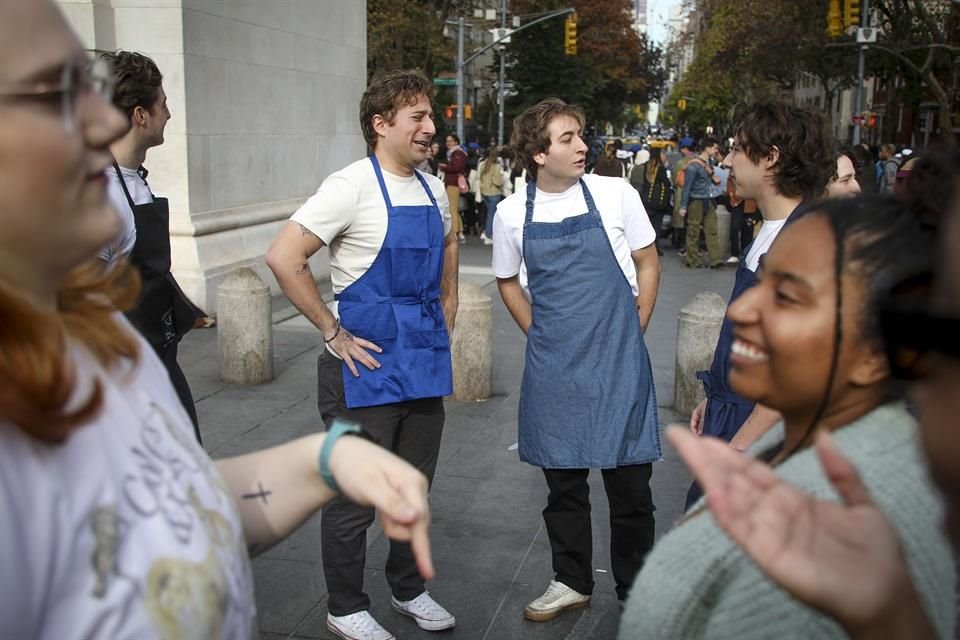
[826, 482]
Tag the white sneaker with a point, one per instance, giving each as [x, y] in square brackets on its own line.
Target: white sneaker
[357, 626]
[426, 611]
[557, 599]
[733, 260]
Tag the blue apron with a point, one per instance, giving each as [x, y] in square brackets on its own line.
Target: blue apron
[587, 399]
[395, 304]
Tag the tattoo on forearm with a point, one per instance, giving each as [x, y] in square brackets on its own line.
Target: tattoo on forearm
[306, 232]
[303, 269]
[261, 494]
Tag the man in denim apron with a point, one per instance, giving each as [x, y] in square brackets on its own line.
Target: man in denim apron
[577, 267]
[386, 365]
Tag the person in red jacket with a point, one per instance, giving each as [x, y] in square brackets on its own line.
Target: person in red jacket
[453, 169]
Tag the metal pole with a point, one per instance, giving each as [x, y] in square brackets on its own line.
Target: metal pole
[503, 75]
[861, 63]
[460, 79]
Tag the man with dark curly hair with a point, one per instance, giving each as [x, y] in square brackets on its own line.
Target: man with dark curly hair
[386, 366]
[782, 156]
[163, 314]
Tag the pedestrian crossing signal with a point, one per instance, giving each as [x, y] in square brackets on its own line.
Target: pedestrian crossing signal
[570, 36]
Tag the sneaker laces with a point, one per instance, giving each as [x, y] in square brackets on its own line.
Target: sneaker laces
[365, 623]
[427, 606]
[556, 590]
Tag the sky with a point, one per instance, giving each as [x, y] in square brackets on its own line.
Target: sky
[657, 13]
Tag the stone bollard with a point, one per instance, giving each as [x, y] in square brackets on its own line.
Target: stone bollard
[698, 328]
[723, 230]
[471, 346]
[244, 329]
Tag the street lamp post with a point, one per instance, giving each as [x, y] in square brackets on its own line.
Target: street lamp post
[460, 66]
[503, 74]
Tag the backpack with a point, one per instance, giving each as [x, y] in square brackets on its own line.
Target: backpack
[655, 195]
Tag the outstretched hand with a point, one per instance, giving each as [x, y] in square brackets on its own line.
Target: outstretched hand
[372, 476]
[842, 558]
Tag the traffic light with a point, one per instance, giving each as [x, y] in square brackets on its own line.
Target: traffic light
[450, 112]
[834, 24]
[851, 13]
[682, 104]
[570, 36]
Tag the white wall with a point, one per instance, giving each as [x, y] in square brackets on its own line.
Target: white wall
[264, 98]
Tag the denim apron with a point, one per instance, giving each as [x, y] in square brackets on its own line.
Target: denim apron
[396, 305]
[587, 399]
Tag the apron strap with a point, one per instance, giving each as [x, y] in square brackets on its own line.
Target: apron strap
[123, 183]
[426, 187]
[532, 194]
[383, 186]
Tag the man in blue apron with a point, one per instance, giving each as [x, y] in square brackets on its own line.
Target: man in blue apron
[386, 365]
[781, 156]
[577, 267]
[163, 314]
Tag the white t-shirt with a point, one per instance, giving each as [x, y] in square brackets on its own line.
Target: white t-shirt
[761, 244]
[140, 192]
[621, 211]
[349, 215]
[124, 531]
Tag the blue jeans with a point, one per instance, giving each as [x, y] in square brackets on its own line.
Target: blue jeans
[491, 202]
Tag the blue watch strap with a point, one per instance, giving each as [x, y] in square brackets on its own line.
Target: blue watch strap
[337, 429]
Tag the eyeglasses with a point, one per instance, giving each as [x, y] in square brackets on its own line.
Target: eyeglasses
[77, 78]
[912, 330]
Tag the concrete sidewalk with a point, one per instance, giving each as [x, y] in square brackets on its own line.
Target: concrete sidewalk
[489, 545]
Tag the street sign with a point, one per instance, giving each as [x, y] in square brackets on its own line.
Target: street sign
[445, 82]
[502, 33]
[507, 86]
[866, 35]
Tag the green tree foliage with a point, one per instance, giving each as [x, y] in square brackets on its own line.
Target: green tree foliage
[613, 69]
[409, 35]
[746, 49]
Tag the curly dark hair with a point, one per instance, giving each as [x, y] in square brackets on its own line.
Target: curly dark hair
[137, 80]
[387, 94]
[801, 135]
[530, 135]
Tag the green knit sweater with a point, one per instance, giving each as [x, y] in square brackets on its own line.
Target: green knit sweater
[697, 583]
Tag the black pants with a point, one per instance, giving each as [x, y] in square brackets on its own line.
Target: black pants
[168, 355]
[567, 518]
[410, 429]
